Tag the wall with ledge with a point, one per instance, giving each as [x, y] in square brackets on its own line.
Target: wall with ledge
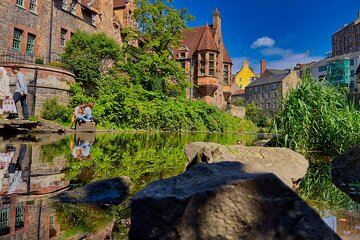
[51, 82]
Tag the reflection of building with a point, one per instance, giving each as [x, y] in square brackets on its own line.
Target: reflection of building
[207, 62]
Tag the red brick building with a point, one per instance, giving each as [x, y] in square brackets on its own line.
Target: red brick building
[204, 56]
[42, 27]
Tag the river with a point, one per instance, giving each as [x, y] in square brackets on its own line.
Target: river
[35, 168]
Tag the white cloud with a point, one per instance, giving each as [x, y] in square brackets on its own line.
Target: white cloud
[275, 51]
[289, 61]
[263, 42]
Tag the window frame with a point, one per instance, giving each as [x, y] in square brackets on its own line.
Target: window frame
[18, 40]
[63, 37]
[73, 7]
[34, 4]
[64, 5]
[22, 5]
[31, 44]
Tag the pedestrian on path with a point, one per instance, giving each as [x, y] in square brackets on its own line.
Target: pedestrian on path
[20, 93]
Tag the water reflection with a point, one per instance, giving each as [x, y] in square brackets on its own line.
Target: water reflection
[31, 172]
[346, 224]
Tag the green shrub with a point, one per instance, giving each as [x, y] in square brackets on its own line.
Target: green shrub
[317, 117]
[238, 102]
[39, 61]
[56, 112]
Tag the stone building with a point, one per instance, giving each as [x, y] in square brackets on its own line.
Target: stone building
[347, 39]
[42, 27]
[267, 91]
[207, 63]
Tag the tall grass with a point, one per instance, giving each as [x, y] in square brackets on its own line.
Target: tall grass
[317, 117]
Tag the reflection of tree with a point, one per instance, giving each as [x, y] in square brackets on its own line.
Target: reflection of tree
[77, 219]
[50, 151]
[318, 189]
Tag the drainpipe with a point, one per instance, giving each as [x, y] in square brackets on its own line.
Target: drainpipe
[51, 26]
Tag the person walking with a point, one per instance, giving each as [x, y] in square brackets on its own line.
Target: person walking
[20, 93]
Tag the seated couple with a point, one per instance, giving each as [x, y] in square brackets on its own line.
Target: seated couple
[82, 113]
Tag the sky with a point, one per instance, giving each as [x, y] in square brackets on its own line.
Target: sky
[283, 32]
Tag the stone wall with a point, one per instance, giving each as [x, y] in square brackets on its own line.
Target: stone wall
[51, 82]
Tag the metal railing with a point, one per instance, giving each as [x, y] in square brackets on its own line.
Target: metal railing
[21, 58]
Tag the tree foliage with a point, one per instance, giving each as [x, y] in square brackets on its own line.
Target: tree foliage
[151, 64]
[91, 54]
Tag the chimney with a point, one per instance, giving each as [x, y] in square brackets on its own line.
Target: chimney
[246, 64]
[262, 66]
[359, 14]
[216, 20]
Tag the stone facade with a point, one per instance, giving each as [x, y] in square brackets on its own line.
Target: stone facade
[268, 91]
[52, 82]
[52, 22]
[347, 39]
[207, 63]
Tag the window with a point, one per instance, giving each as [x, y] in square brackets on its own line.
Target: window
[352, 62]
[261, 88]
[20, 3]
[4, 220]
[274, 94]
[226, 74]
[63, 37]
[256, 89]
[268, 106]
[268, 87]
[64, 4]
[17, 39]
[202, 64]
[211, 65]
[241, 86]
[93, 19]
[262, 96]
[73, 7]
[274, 86]
[182, 64]
[322, 68]
[30, 44]
[275, 106]
[240, 80]
[352, 73]
[33, 4]
[182, 54]
[19, 216]
[250, 90]
[268, 94]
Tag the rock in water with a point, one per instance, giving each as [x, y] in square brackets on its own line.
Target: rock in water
[104, 192]
[346, 172]
[219, 201]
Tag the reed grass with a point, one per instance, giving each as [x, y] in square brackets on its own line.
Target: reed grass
[317, 117]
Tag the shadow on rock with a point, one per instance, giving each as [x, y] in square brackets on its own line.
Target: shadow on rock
[104, 192]
[346, 173]
[219, 201]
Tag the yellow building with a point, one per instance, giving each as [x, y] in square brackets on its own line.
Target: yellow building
[245, 76]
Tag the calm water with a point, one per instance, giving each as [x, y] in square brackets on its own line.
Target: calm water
[35, 168]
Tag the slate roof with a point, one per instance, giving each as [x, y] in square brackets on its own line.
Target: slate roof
[275, 71]
[120, 3]
[268, 79]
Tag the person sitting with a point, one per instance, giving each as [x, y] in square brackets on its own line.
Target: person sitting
[78, 111]
[87, 115]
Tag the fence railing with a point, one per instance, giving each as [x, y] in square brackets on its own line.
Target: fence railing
[20, 58]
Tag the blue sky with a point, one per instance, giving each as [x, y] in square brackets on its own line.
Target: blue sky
[279, 31]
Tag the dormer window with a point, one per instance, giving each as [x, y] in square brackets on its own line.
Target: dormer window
[182, 54]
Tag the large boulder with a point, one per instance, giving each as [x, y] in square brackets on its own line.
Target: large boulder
[288, 165]
[104, 192]
[219, 201]
[346, 172]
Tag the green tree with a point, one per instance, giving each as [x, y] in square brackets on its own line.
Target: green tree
[151, 64]
[91, 54]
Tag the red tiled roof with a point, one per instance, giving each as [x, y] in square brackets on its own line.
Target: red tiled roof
[226, 56]
[191, 39]
[120, 3]
[239, 92]
[207, 41]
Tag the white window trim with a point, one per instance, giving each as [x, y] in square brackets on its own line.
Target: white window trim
[35, 4]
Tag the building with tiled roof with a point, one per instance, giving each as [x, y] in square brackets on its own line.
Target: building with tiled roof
[268, 90]
[203, 54]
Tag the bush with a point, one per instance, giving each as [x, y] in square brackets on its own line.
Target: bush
[39, 61]
[317, 117]
[56, 112]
